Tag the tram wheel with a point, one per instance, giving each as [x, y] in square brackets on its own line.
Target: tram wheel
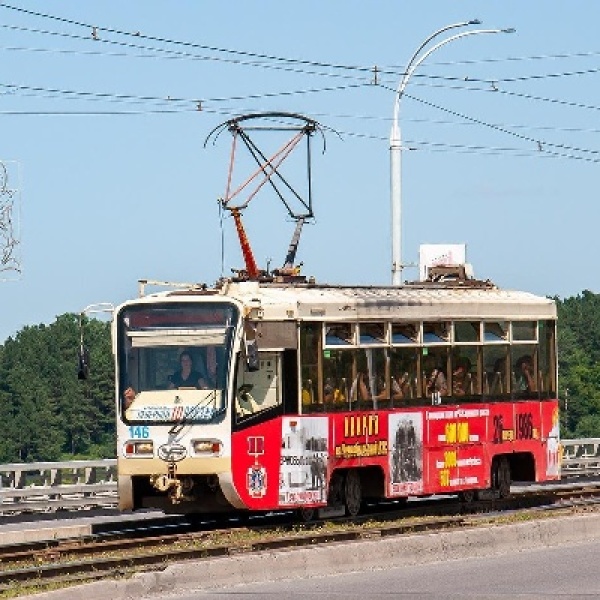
[501, 477]
[352, 493]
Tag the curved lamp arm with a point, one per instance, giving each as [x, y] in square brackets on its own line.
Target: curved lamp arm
[416, 59]
[412, 65]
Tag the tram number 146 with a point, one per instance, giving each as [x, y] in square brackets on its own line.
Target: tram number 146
[138, 432]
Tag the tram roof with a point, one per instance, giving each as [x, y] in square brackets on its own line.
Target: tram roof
[346, 303]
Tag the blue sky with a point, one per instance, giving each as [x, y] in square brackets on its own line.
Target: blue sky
[105, 151]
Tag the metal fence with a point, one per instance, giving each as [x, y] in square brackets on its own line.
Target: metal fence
[52, 486]
[77, 484]
[580, 457]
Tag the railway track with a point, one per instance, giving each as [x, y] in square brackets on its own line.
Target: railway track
[32, 567]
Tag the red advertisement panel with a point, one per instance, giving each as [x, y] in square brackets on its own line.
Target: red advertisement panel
[444, 449]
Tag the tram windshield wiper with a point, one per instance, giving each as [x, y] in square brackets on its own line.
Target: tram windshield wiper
[185, 418]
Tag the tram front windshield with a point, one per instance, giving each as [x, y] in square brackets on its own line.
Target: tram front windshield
[174, 361]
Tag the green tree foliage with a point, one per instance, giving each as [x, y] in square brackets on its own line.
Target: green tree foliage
[48, 414]
[579, 364]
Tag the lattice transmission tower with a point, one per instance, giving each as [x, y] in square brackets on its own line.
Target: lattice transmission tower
[10, 243]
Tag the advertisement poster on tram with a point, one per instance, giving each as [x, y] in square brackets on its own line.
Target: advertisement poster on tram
[406, 453]
[303, 470]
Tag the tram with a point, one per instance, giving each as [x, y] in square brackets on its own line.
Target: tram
[309, 396]
[271, 391]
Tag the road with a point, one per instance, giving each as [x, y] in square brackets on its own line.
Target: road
[566, 572]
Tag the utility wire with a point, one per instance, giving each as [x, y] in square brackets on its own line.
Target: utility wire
[154, 52]
[178, 54]
[95, 29]
[394, 70]
[543, 146]
[538, 57]
[198, 103]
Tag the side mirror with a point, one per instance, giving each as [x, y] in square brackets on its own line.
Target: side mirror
[252, 360]
[83, 360]
[251, 347]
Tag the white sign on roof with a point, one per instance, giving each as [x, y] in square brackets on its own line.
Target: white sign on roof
[433, 255]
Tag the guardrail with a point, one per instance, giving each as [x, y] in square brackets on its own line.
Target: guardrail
[580, 457]
[77, 484]
[53, 486]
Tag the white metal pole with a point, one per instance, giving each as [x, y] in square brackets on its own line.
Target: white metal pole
[396, 137]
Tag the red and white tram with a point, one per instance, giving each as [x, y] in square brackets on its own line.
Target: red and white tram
[303, 396]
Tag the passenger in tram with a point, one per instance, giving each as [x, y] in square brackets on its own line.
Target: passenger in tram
[328, 390]
[360, 389]
[461, 377]
[362, 380]
[399, 388]
[340, 392]
[307, 394]
[128, 396]
[186, 376]
[525, 375]
[436, 382]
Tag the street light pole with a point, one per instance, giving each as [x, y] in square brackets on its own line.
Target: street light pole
[416, 59]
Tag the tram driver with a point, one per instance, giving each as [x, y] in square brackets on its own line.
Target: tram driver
[186, 376]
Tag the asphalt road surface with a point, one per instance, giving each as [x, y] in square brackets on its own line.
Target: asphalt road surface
[567, 572]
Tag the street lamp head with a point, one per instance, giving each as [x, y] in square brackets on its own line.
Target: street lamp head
[509, 30]
[474, 22]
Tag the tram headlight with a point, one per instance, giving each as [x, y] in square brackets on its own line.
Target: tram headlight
[143, 449]
[210, 447]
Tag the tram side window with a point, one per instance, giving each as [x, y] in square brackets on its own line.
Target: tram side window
[404, 375]
[436, 333]
[524, 365]
[524, 331]
[339, 372]
[405, 333]
[495, 331]
[547, 360]
[466, 331]
[371, 385]
[496, 371]
[435, 365]
[358, 379]
[259, 390]
[372, 334]
[465, 380]
[310, 344]
[339, 334]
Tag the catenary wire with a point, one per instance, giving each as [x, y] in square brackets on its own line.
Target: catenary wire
[397, 70]
[139, 35]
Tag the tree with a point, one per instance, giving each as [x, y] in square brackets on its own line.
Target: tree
[47, 411]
